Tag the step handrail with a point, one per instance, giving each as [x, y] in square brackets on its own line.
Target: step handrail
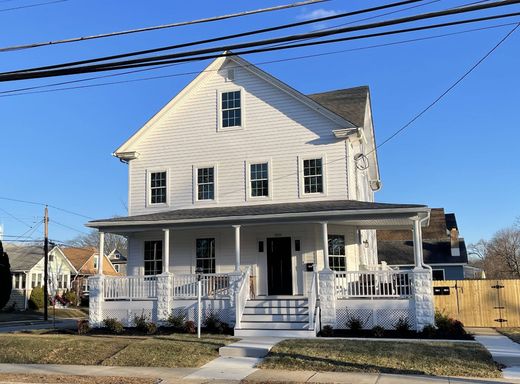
[242, 295]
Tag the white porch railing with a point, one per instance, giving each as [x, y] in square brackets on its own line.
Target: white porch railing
[215, 285]
[242, 295]
[313, 295]
[373, 284]
[130, 288]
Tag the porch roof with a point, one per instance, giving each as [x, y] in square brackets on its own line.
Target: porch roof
[361, 213]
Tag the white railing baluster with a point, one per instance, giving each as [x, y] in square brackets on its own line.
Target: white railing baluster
[373, 284]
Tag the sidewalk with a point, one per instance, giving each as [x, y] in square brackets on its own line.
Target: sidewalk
[502, 349]
[176, 375]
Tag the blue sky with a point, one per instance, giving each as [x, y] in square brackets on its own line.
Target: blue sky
[56, 147]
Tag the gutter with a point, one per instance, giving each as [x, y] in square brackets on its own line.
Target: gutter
[336, 213]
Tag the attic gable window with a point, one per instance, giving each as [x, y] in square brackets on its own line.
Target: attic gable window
[231, 108]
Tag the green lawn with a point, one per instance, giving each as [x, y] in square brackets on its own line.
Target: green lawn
[512, 333]
[426, 358]
[173, 351]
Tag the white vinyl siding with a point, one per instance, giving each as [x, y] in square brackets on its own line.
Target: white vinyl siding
[279, 128]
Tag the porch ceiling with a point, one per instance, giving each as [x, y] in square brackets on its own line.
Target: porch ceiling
[357, 213]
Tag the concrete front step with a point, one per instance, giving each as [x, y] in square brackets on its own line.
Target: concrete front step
[274, 325]
[270, 303]
[282, 333]
[250, 347]
[274, 318]
[275, 311]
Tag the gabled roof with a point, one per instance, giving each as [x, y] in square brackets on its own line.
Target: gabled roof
[23, 257]
[126, 147]
[78, 256]
[400, 252]
[350, 103]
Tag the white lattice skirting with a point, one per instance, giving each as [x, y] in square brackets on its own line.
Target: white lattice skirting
[125, 311]
[381, 312]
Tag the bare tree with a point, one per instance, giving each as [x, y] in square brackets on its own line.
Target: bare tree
[92, 240]
[500, 256]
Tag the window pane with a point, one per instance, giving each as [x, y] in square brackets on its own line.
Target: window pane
[205, 184]
[231, 109]
[158, 187]
[259, 179]
[313, 176]
[153, 257]
[205, 255]
[337, 258]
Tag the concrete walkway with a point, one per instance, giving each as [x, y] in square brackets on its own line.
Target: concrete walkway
[502, 349]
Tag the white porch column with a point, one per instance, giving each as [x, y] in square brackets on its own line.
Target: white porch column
[165, 283]
[237, 247]
[422, 282]
[101, 252]
[417, 243]
[327, 289]
[325, 234]
[166, 253]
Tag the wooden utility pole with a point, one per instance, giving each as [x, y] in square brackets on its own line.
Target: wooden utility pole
[46, 265]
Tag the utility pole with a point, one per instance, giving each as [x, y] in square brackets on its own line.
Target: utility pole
[46, 265]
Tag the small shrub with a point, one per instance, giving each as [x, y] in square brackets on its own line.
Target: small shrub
[36, 299]
[114, 326]
[448, 327]
[355, 324]
[402, 326]
[176, 321]
[9, 309]
[327, 331]
[190, 327]
[378, 331]
[213, 324]
[429, 331]
[83, 327]
[142, 324]
[70, 297]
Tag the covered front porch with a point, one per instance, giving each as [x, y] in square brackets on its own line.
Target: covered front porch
[325, 257]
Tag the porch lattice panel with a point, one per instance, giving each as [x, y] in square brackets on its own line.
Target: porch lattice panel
[383, 313]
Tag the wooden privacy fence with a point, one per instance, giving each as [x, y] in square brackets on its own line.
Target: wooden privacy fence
[480, 303]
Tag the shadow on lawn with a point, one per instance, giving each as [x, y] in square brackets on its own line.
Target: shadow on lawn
[340, 365]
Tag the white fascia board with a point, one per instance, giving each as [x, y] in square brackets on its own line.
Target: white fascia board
[214, 65]
[331, 214]
[371, 140]
[66, 259]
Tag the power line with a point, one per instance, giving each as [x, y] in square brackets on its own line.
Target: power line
[185, 56]
[68, 227]
[16, 218]
[12, 91]
[224, 37]
[448, 90]
[158, 27]
[32, 5]
[49, 205]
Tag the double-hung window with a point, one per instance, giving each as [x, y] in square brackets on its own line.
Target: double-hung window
[313, 175]
[259, 175]
[206, 183]
[205, 255]
[337, 258]
[158, 187]
[231, 109]
[153, 257]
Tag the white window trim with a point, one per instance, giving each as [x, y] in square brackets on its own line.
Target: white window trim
[242, 126]
[196, 183]
[269, 162]
[149, 187]
[301, 182]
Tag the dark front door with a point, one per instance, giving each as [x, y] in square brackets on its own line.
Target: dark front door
[279, 266]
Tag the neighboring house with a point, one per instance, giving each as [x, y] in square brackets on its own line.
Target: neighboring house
[259, 189]
[443, 249]
[86, 261]
[27, 268]
[118, 260]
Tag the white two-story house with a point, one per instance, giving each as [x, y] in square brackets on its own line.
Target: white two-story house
[267, 195]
